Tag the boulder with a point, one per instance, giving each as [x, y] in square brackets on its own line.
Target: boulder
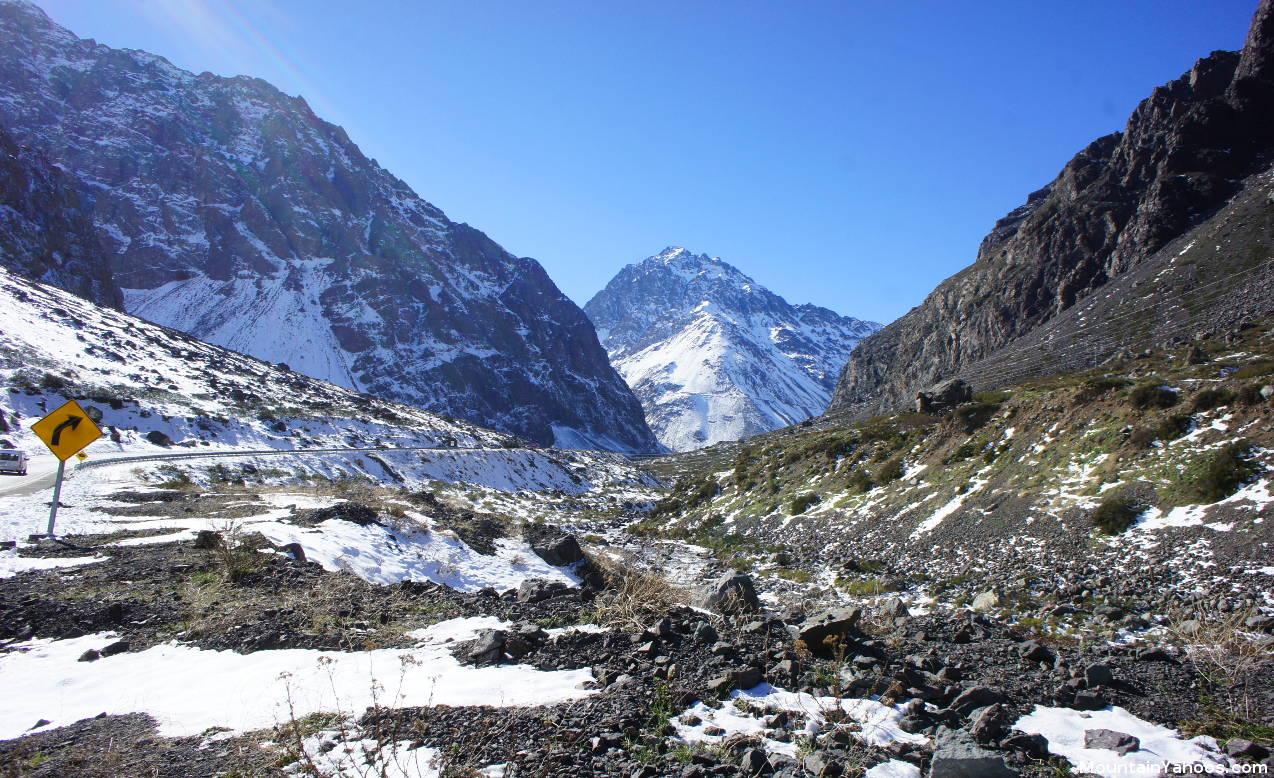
[537, 590]
[556, 548]
[1099, 675]
[986, 601]
[837, 624]
[973, 698]
[488, 648]
[1239, 747]
[990, 724]
[944, 396]
[1034, 652]
[1034, 746]
[1119, 742]
[957, 756]
[733, 593]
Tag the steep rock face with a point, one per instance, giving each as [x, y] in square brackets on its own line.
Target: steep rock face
[229, 210]
[1186, 151]
[46, 228]
[714, 356]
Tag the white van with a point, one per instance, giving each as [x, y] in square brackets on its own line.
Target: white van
[13, 461]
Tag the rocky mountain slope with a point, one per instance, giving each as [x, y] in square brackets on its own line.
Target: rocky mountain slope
[230, 211]
[1125, 204]
[163, 393]
[712, 355]
[46, 226]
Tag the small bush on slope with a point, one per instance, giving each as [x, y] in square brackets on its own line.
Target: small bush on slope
[1153, 395]
[1215, 475]
[1116, 513]
[1211, 398]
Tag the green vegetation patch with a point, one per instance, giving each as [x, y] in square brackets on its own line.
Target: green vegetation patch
[1116, 513]
[1215, 475]
[1152, 395]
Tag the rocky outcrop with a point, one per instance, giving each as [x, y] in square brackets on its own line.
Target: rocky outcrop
[229, 210]
[46, 227]
[714, 356]
[1187, 151]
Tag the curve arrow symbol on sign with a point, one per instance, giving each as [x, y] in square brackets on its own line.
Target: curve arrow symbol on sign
[72, 421]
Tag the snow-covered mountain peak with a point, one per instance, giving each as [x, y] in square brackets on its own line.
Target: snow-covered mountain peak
[712, 354]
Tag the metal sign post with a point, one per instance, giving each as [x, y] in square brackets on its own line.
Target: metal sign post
[66, 432]
[57, 495]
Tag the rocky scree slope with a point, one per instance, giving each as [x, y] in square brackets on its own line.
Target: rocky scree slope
[712, 355]
[1193, 146]
[1157, 468]
[230, 211]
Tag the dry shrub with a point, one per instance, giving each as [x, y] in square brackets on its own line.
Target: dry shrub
[1225, 652]
[633, 595]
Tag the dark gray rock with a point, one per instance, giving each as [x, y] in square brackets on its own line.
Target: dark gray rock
[1089, 699]
[1099, 675]
[1239, 747]
[988, 725]
[944, 396]
[733, 593]
[975, 697]
[488, 648]
[957, 756]
[558, 549]
[1034, 652]
[537, 590]
[1034, 746]
[1109, 739]
[822, 631]
[819, 764]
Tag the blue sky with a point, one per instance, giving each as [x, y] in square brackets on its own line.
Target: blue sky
[849, 154]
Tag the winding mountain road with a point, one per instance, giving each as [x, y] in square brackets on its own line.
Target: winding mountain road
[42, 470]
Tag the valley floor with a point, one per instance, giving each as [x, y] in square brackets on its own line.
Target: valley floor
[191, 626]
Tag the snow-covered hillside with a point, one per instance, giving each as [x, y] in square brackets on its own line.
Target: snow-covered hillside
[161, 391]
[228, 210]
[712, 355]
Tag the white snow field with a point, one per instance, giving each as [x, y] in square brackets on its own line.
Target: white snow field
[1064, 729]
[189, 690]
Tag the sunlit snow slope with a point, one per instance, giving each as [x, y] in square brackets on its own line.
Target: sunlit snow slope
[712, 355]
[162, 392]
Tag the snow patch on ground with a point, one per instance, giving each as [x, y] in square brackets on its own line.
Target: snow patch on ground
[11, 564]
[1064, 729]
[743, 712]
[337, 757]
[189, 689]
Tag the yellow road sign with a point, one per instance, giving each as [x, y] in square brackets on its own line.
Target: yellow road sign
[67, 430]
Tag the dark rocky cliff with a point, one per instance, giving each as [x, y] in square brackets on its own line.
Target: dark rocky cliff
[1187, 150]
[46, 227]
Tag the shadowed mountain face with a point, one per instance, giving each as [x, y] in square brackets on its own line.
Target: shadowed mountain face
[1189, 149]
[230, 211]
[714, 356]
[46, 227]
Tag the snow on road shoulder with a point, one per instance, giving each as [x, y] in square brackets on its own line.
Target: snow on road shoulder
[1064, 729]
[189, 689]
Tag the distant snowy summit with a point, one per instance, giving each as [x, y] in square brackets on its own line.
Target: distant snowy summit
[714, 356]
